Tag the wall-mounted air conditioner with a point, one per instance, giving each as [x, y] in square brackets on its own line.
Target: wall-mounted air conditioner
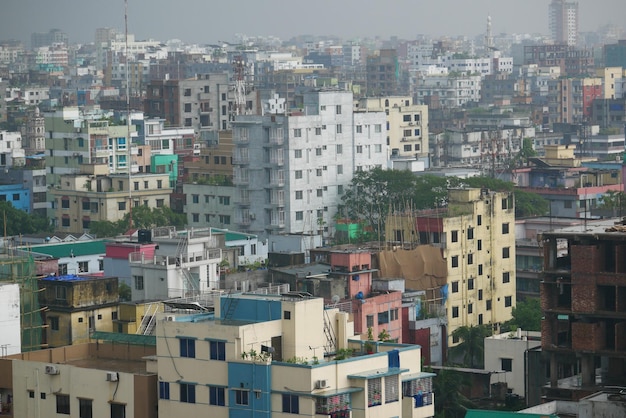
[111, 376]
[320, 384]
[51, 369]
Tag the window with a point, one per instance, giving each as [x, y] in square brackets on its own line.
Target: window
[299, 215]
[506, 252]
[488, 304]
[187, 107]
[480, 244]
[505, 228]
[138, 282]
[159, 184]
[65, 221]
[369, 320]
[378, 148]
[298, 174]
[338, 109]
[508, 301]
[340, 189]
[506, 277]
[121, 205]
[406, 118]
[339, 148]
[479, 220]
[241, 397]
[455, 236]
[340, 169]
[318, 172]
[286, 315]
[359, 129]
[455, 286]
[383, 317]
[188, 393]
[480, 319]
[470, 233]
[187, 348]
[63, 404]
[291, 404]
[567, 204]
[83, 266]
[195, 198]
[53, 321]
[160, 203]
[297, 133]
[318, 131]
[195, 217]
[391, 389]
[470, 308]
[164, 390]
[65, 203]
[407, 132]
[224, 200]
[506, 364]
[339, 128]
[374, 392]
[217, 350]
[455, 261]
[61, 291]
[320, 192]
[85, 408]
[470, 284]
[298, 153]
[407, 148]
[470, 259]
[298, 194]
[378, 128]
[455, 312]
[505, 203]
[480, 269]
[480, 294]
[216, 396]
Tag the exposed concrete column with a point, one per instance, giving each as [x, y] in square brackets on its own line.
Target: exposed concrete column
[588, 370]
[554, 374]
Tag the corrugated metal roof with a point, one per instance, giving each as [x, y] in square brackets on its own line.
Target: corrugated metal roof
[476, 413]
[76, 249]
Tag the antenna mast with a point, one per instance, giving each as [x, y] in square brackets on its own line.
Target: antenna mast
[128, 139]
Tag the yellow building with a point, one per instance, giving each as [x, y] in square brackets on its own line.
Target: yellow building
[407, 125]
[76, 307]
[477, 236]
[137, 317]
[86, 380]
[610, 78]
[98, 196]
[282, 355]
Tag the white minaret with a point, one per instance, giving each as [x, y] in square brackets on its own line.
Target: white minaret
[488, 35]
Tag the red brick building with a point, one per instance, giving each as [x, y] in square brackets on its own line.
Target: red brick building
[583, 299]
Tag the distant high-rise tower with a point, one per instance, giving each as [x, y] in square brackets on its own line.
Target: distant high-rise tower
[563, 20]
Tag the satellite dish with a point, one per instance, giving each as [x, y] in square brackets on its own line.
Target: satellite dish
[336, 299]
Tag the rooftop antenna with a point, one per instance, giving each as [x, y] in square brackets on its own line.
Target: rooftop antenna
[128, 139]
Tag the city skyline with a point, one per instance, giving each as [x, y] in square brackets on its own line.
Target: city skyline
[201, 22]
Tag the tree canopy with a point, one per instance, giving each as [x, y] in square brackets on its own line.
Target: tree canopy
[471, 347]
[373, 194]
[143, 217]
[526, 315]
[15, 221]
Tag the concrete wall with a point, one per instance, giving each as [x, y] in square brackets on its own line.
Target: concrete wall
[10, 337]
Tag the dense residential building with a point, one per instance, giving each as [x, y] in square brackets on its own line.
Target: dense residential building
[563, 21]
[209, 205]
[570, 99]
[582, 301]
[615, 54]
[477, 236]
[95, 195]
[571, 61]
[98, 379]
[407, 128]
[451, 90]
[282, 354]
[76, 307]
[383, 78]
[53, 36]
[293, 167]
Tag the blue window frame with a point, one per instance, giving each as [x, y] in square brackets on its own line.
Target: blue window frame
[188, 392]
[291, 404]
[164, 390]
[187, 348]
[217, 350]
[241, 397]
[216, 396]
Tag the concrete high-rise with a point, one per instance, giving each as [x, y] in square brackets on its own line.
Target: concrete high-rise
[563, 21]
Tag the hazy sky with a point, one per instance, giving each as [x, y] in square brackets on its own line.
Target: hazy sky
[206, 21]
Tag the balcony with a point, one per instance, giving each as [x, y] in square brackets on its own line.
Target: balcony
[277, 198]
[277, 178]
[101, 152]
[276, 140]
[240, 157]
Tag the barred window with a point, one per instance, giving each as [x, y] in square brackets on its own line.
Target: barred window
[374, 392]
[391, 389]
[332, 404]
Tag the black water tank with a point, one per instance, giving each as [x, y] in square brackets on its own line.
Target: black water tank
[144, 235]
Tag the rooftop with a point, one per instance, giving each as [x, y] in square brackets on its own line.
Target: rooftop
[70, 249]
[73, 278]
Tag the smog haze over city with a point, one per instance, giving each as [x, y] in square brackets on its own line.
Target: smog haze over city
[199, 21]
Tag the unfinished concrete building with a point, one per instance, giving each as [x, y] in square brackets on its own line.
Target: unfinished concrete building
[583, 299]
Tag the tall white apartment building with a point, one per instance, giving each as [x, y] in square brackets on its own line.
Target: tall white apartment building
[291, 168]
[452, 91]
[563, 21]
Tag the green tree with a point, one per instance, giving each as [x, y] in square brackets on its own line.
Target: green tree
[16, 221]
[530, 204]
[471, 347]
[612, 200]
[449, 401]
[526, 315]
[103, 229]
[125, 292]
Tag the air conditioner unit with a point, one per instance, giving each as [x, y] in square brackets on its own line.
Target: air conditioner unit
[111, 376]
[170, 318]
[50, 369]
[411, 124]
[320, 384]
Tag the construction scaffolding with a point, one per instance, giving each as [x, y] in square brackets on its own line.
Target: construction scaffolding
[20, 269]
